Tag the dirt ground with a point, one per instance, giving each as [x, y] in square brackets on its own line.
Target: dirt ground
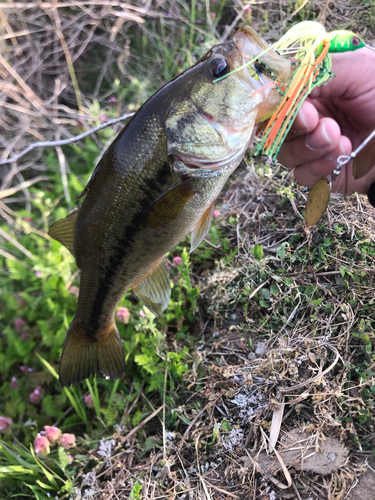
[365, 488]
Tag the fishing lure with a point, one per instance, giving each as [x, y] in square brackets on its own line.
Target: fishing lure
[311, 47]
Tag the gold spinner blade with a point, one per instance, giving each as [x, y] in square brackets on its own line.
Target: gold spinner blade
[317, 201]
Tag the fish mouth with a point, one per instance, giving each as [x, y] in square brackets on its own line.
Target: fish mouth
[194, 164]
[251, 44]
[234, 140]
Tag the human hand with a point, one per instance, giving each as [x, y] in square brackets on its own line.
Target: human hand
[333, 121]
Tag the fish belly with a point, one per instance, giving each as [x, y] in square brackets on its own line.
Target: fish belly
[102, 289]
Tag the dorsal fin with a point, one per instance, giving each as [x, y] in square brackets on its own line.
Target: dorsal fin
[63, 231]
[155, 289]
[201, 229]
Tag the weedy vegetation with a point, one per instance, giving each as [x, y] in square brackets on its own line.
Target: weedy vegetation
[270, 330]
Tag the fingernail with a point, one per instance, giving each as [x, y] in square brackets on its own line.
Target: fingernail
[338, 151]
[315, 143]
[302, 118]
[303, 126]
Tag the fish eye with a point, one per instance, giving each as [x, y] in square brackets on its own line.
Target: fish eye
[355, 40]
[218, 66]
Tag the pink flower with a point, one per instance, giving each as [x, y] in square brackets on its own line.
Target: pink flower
[68, 441]
[25, 336]
[167, 266]
[25, 369]
[20, 324]
[216, 214]
[5, 423]
[123, 315]
[38, 274]
[103, 118]
[28, 219]
[142, 314]
[74, 290]
[177, 261]
[71, 459]
[89, 402]
[14, 383]
[213, 15]
[112, 100]
[52, 433]
[36, 396]
[41, 445]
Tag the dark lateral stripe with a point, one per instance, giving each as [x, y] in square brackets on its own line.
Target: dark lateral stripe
[122, 248]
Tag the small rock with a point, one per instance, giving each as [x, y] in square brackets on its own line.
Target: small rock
[260, 350]
[331, 456]
[251, 356]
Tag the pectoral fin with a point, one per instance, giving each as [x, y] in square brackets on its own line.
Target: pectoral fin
[63, 231]
[201, 229]
[155, 290]
[169, 205]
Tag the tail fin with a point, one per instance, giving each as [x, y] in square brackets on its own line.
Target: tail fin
[83, 356]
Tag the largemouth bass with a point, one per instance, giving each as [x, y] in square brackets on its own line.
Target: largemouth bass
[156, 183]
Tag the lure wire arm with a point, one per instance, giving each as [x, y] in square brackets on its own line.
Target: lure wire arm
[344, 159]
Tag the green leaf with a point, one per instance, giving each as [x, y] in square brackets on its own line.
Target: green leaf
[135, 493]
[309, 290]
[275, 289]
[265, 293]
[150, 443]
[226, 425]
[10, 470]
[316, 302]
[43, 485]
[137, 419]
[257, 251]
[64, 459]
[281, 250]
[36, 491]
[48, 366]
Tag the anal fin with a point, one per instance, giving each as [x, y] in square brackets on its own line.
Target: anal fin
[63, 231]
[155, 289]
[201, 229]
